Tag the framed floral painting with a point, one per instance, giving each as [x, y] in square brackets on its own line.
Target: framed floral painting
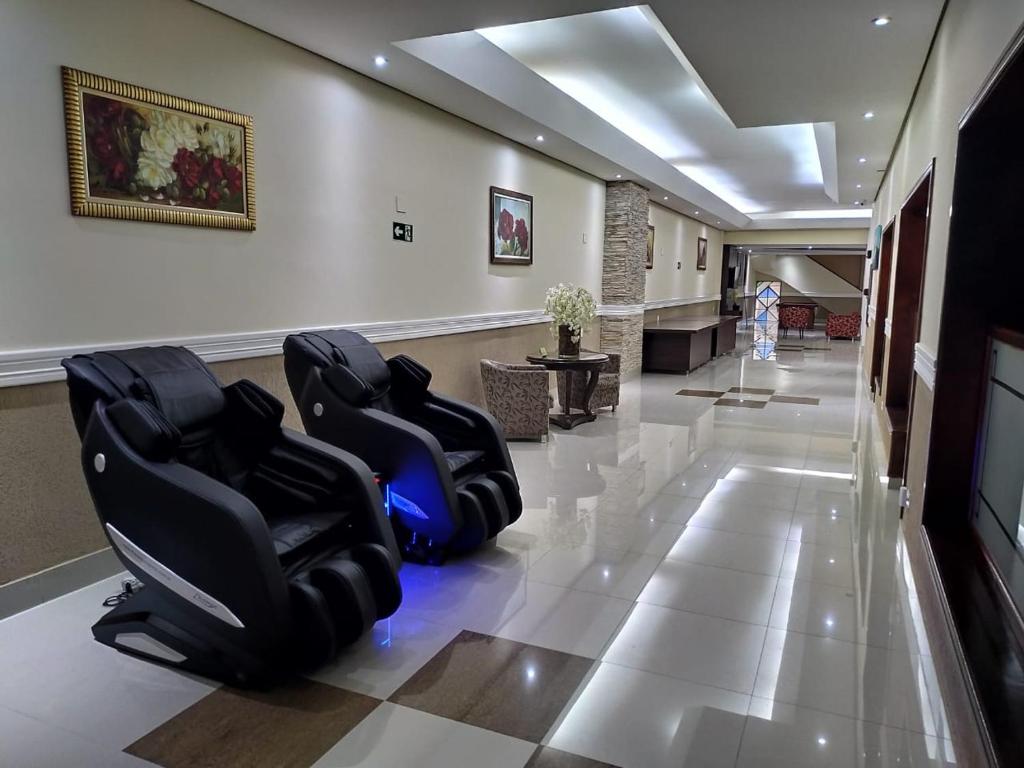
[649, 263]
[511, 225]
[702, 254]
[143, 155]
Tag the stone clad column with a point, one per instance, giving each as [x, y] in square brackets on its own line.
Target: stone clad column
[623, 273]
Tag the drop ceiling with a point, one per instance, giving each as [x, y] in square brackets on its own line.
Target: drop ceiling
[742, 114]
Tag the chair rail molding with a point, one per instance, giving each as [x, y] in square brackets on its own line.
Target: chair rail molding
[924, 365]
[681, 302]
[35, 366]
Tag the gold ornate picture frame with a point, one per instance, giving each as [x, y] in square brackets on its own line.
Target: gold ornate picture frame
[143, 155]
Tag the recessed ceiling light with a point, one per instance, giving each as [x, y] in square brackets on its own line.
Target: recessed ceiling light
[618, 175]
[718, 222]
[860, 186]
[380, 61]
[810, 247]
[665, 197]
[540, 137]
[862, 160]
[696, 213]
[869, 115]
[880, 21]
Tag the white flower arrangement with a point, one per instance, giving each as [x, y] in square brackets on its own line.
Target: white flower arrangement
[571, 305]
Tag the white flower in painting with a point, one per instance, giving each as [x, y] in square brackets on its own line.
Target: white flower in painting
[167, 134]
[153, 172]
[221, 143]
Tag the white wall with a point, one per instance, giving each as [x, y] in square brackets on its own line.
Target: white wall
[973, 35]
[332, 150]
[675, 240]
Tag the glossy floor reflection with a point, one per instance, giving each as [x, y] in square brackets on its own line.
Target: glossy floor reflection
[690, 584]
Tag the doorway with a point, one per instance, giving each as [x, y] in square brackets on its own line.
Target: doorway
[881, 308]
[905, 318]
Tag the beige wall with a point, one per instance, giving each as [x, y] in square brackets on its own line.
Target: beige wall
[333, 149]
[967, 47]
[675, 241]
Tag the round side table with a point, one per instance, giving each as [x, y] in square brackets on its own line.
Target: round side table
[587, 363]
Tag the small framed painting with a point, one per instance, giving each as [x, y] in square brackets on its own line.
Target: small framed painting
[702, 254]
[143, 155]
[511, 226]
[650, 247]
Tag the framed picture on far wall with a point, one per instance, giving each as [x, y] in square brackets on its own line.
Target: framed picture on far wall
[702, 254]
[650, 247]
[511, 227]
[144, 155]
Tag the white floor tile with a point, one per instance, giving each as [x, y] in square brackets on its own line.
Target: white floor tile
[611, 572]
[721, 592]
[743, 518]
[699, 649]
[818, 563]
[635, 719]
[388, 656]
[393, 736]
[754, 554]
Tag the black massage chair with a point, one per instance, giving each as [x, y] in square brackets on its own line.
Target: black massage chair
[261, 551]
[450, 481]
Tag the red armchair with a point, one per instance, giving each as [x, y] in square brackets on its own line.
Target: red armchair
[843, 326]
[799, 316]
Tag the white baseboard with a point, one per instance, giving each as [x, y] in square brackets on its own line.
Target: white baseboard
[924, 365]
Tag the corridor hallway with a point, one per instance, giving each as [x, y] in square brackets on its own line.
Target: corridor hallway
[690, 584]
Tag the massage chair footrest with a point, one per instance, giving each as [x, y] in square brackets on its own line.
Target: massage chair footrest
[337, 600]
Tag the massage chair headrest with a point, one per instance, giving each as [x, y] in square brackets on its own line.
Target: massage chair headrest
[172, 379]
[351, 366]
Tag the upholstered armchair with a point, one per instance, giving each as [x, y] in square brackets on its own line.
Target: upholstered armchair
[798, 316]
[843, 326]
[606, 395]
[517, 396]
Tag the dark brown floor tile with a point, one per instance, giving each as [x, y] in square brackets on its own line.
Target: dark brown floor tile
[793, 399]
[292, 725]
[734, 403]
[498, 684]
[546, 757]
[700, 393]
[752, 390]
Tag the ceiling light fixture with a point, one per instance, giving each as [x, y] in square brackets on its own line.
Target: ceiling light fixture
[881, 21]
[696, 213]
[860, 186]
[665, 197]
[540, 138]
[380, 61]
[618, 175]
[869, 115]
[862, 160]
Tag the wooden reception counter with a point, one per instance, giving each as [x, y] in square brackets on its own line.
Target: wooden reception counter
[679, 346]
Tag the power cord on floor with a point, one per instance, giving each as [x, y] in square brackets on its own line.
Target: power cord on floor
[128, 588]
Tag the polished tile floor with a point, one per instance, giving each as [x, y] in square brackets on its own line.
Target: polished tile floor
[692, 583]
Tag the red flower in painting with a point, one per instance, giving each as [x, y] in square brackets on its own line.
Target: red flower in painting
[104, 146]
[505, 225]
[522, 236]
[188, 167]
[234, 178]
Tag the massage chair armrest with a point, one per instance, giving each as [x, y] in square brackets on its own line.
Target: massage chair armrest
[404, 453]
[203, 533]
[487, 434]
[360, 485]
